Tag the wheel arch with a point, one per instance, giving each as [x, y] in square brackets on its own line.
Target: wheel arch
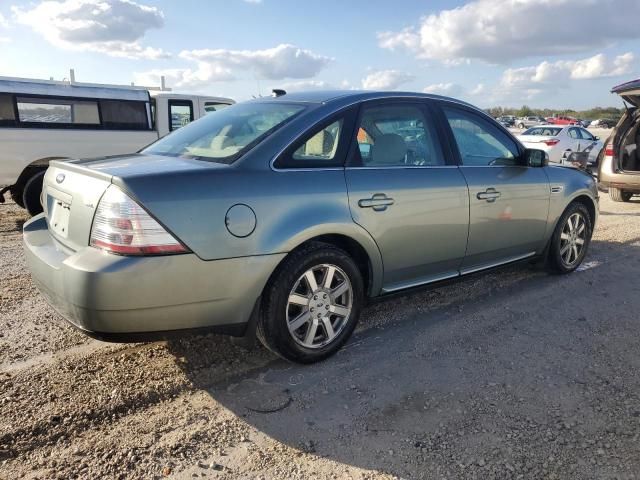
[358, 244]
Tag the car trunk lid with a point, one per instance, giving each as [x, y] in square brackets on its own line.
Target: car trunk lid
[536, 141]
[629, 91]
[70, 194]
[72, 189]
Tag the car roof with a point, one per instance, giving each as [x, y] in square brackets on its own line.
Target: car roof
[353, 96]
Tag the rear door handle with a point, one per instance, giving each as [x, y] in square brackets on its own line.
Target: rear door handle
[379, 202]
[490, 195]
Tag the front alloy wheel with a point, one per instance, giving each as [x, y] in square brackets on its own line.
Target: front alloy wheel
[311, 304]
[570, 240]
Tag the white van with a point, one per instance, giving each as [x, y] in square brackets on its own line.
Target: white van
[43, 120]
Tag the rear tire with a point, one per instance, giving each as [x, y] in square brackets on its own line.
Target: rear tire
[570, 240]
[618, 195]
[305, 324]
[31, 193]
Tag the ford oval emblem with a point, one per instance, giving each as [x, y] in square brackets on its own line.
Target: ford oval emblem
[60, 178]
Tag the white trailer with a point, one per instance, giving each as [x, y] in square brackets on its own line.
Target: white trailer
[43, 120]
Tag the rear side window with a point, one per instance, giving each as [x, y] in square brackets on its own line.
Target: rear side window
[214, 106]
[118, 114]
[322, 146]
[480, 143]
[73, 112]
[547, 131]
[573, 133]
[396, 135]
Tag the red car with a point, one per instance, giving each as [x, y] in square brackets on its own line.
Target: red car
[563, 120]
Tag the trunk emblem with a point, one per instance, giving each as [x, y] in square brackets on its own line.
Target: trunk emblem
[60, 178]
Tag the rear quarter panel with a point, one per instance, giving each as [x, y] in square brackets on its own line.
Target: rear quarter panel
[290, 207]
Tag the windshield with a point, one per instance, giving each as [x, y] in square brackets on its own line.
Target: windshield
[547, 131]
[223, 136]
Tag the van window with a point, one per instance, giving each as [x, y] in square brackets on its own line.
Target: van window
[180, 113]
[50, 110]
[124, 115]
[7, 113]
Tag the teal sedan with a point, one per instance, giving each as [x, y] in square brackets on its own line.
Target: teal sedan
[280, 217]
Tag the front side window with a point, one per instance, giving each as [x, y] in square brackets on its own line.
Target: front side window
[225, 135]
[398, 135]
[56, 111]
[180, 113]
[479, 142]
[586, 135]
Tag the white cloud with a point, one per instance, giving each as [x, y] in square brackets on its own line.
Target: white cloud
[253, 1]
[278, 63]
[3, 21]
[303, 85]
[559, 73]
[449, 89]
[479, 89]
[5, 40]
[498, 31]
[113, 27]
[283, 61]
[386, 80]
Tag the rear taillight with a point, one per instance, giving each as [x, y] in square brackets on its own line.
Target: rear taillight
[552, 142]
[122, 226]
[608, 150]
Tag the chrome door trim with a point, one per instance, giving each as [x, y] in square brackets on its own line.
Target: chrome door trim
[417, 283]
[466, 271]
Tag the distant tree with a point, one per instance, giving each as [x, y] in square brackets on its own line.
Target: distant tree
[524, 111]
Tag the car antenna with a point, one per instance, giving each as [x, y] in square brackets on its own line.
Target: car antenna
[278, 92]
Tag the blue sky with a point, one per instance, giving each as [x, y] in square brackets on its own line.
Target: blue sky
[543, 53]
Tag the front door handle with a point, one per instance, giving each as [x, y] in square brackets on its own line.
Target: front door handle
[490, 195]
[379, 202]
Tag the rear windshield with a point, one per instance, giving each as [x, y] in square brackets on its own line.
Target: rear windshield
[224, 135]
[547, 131]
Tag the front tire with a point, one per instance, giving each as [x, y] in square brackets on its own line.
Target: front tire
[618, 195]
[570, 240]
[311, 304]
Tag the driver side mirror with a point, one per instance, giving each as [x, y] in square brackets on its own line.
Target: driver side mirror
[596, 137]
[536, 158]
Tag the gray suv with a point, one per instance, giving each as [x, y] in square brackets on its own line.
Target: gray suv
[284, 215]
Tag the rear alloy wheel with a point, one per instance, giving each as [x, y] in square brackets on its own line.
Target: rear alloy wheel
[521, 126]
[570, 239]
[618, 195]
[311, 304]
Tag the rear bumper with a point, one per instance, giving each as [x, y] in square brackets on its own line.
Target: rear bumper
[624, 181]
[121, 298]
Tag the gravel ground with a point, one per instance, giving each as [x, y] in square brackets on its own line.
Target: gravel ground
[514, 374]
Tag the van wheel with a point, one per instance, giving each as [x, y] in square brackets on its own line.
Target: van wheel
[311, 304]
[31, 193]
[618, 195]
[570, 239]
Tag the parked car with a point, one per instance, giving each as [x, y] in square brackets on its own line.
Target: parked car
[526, 122]
[561, 142]
[585, 123]
[563, 120]
[602, 123]
[619, 169]
[507, 120]
[42, 120]
[287, 213]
